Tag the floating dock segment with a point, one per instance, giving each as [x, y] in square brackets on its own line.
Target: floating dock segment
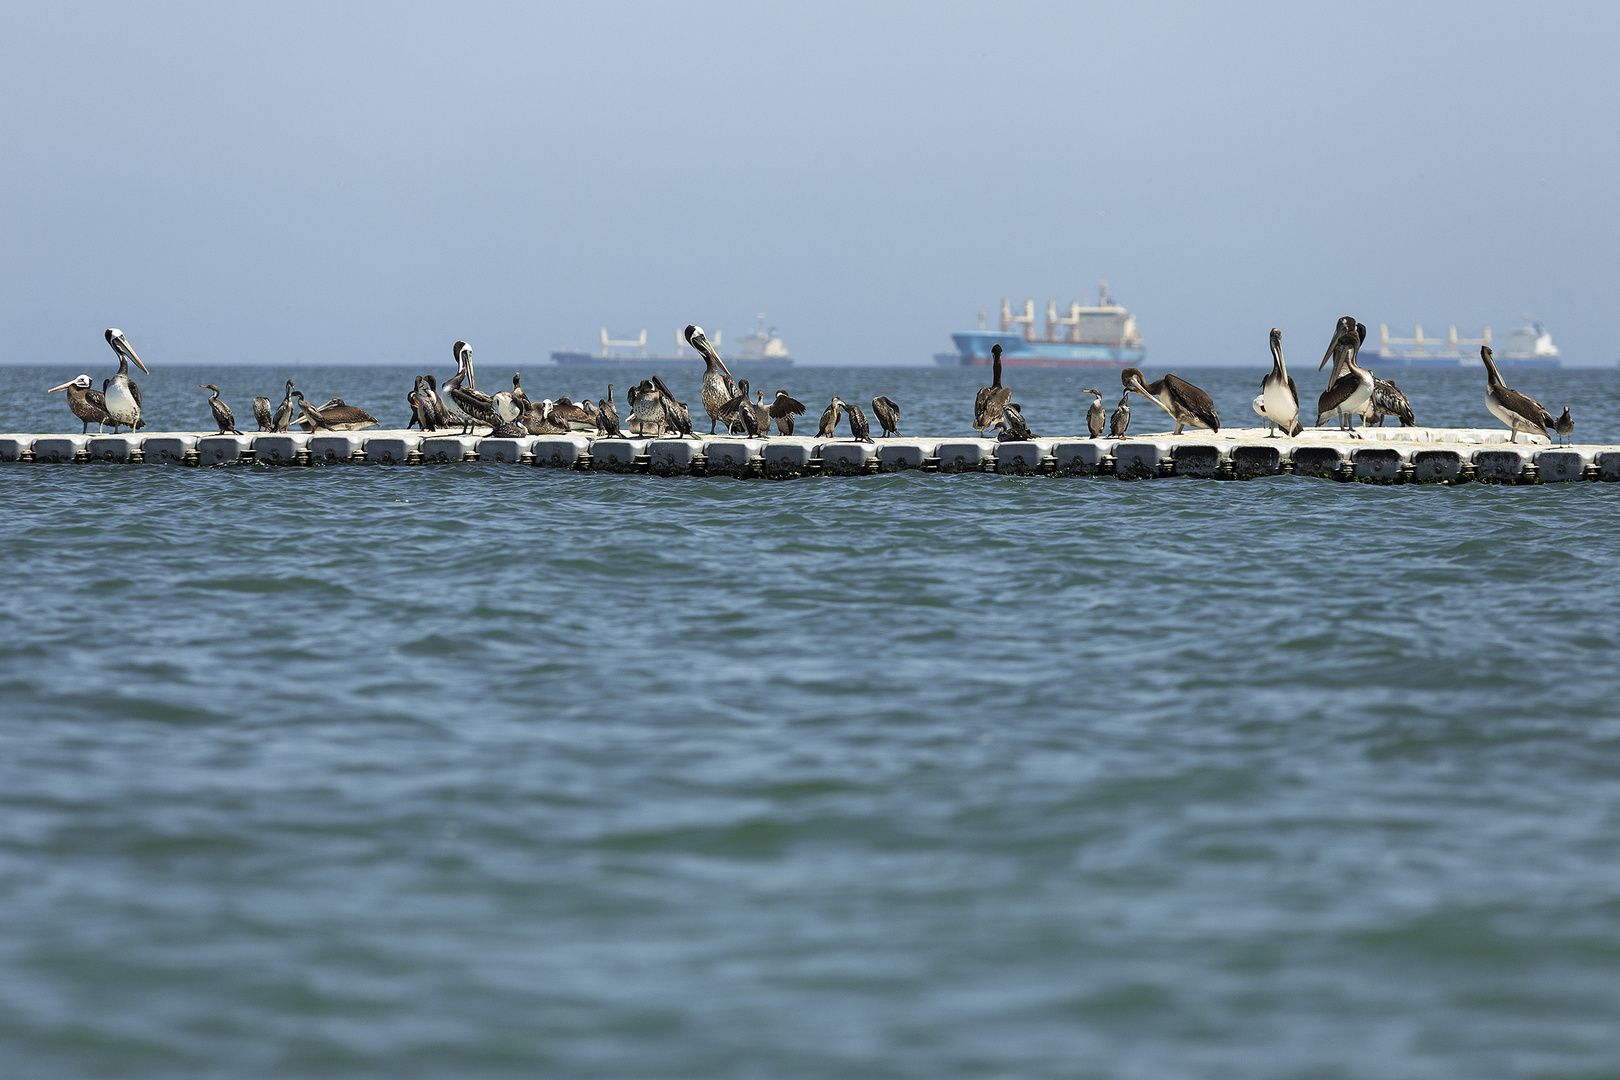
[1383, 455]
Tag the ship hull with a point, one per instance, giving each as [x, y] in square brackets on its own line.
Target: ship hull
[1374, 361]
[583, 359]
[973, 350]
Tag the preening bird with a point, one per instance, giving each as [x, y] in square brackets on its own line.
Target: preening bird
[1122, 416]
[1012, 425]
[829, 420]
[1520, 412]
[1185, 403]
[285, 411]
[859, 429]
[888, 415]
[262, 414]
[676, 414]
[1387, 400]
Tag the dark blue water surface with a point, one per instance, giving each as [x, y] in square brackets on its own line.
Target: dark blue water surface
[488, 770]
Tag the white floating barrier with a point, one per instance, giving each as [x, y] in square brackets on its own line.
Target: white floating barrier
[332, 447]
[1563, 463]
[223, 449]
[1608, 465]
[674, 457]
[1504, 464]
[733, 457]
[846, 458]
[58, 448]
[503, 450]
[13, 447]
[1317, 459]
[617, 455]
[281, 448]
[394, 448]
[168, 449]
[1200, 460]
[1380, 462]
[561, 451]
[1081, 457]
[1026, 458]
[898, 455]
[1249, 460]
[449, 448]
[1140, 458]
[114, 448]
[1437, 466]
[788, 457]
[966, 455]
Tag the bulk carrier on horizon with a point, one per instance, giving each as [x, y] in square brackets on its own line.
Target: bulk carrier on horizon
[1102, 336]
[761, 348]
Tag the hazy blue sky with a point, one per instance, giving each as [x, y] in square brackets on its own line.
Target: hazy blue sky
[334, 182]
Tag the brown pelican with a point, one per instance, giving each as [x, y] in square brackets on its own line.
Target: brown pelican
[990, 399]
[565, 411]
[1185, 403]
[609, 414]
[718, 386]
[89, 405]
[859, 429]
[1565, 426]
[1278, 393]
[1096, 415]
[506, 407]
[829, 420]
[1387, 400]
[783, 410]
[335, 415]
[123, 397]
[888, 415]
[1013, 428]
[1350, 386]
[284, 411]
[476, 406]
[1122, 417]
[538, 420]
[432, 406]
[1519, 412]
[222, 412]
[675, 412]
[646, 409]
[261, 413]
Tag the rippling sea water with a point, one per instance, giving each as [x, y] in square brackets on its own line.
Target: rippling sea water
[487, 770]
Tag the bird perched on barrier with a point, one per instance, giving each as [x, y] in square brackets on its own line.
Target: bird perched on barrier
[122, 397]
[1096, 415]
[415, 402]
[676, 414]
[859, 429]
[1350, 386]
[285, 411]
[262, 414]
[718, 386]
[538, 420]
[888, 415]
[565, 411]
[1387, 400]
[1121, 419]
[987, 404]
[1565, 426]
[1013, 427]
[1279, 397]
[430, 405]
[518, 395]
[476, 406]
[609, 415]
[88, 404]
[829, 420]
[1259, 407]
[646, 409]
[222, 412]
[1185, 403]
[1520, 412]
[743, 413]
[335, 415]
[783, 410]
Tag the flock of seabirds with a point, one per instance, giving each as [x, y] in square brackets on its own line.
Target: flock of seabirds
[1352, 391]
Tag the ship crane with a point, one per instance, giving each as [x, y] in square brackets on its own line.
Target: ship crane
[1072, 322]
[638, 343]
[1454, 344]
[1009, 320]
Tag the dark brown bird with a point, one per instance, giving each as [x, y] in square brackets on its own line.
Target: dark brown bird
[783, 410]
[609, 415]
[1013, 428]
[285, 411]
[1565, 426]
[675, 412]
[829, 420]
[1121, 419]
[1520, 412]
[718, 385]
[476, 406]
[86, 402]
[888, 415]
[222, 412]
[262, 414]
[988, 404]
[646, 409]
[1185, 403]
[859, 429]
[335, 415]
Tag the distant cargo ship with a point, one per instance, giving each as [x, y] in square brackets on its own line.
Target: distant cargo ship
[761, 348]
[1102, 336]
[1530, 346]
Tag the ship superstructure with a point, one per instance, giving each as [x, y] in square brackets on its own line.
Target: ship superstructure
[1528, 346]
[759, 348]
[1101, 335]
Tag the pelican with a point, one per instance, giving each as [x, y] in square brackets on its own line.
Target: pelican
[566, 412]
[988, 403]
[90, 406]
[1122, 417]
[1096, 415]
[646, 409]
[222, 412]
[741, 410]
[261, 413]
[1351, 385]
[123, 397]
[507, 410]
[888, 414]
[1387, 400]
[829, 420]
[1565, 426]
[1278, 394]
[859, 429]
[1185, 403]
[335, 415]
[432, 406]
[609, 413]
[284, 411]
[1013, 427]
[538, 420]
[476, 406]
[783, 410]
[1519, 412]
[718, 386]
[676, 414]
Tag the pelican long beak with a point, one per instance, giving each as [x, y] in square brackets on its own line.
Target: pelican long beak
[1140, 387]
[64, 386]
[123, 347]
[1334, 344]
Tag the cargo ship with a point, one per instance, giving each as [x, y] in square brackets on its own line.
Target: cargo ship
[1100, 336]
[759, 348]
[1530, 346]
